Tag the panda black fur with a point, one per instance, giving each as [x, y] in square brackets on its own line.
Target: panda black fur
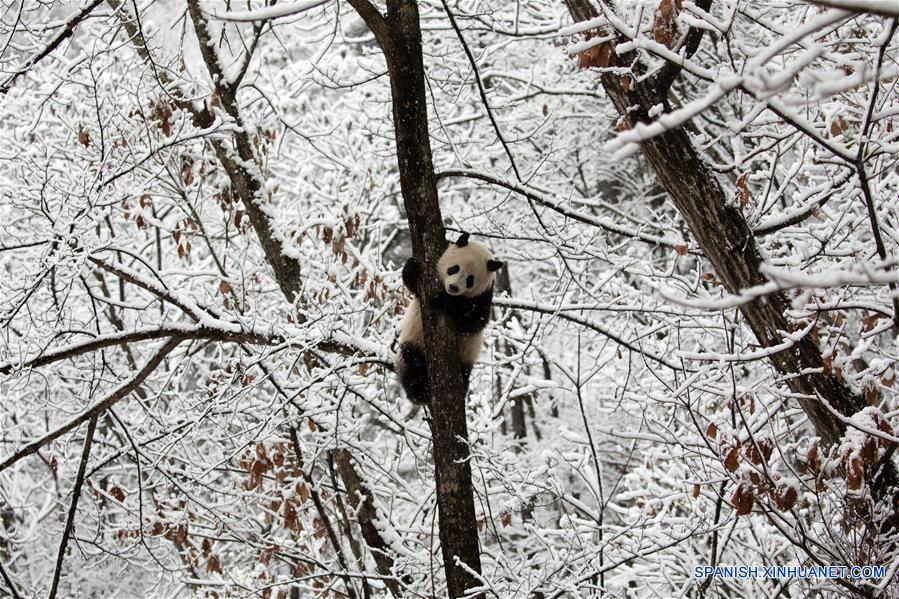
[466, 270]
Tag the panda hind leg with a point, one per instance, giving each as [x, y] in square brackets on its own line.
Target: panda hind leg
[413, 374]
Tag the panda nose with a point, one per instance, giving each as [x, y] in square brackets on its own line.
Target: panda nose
[454, 288]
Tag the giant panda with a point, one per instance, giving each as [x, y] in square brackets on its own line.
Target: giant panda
[466, 271]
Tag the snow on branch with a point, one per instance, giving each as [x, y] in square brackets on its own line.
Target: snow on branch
[557, 312]
[269, 12]
[754, 79]
[790, 339]
[795, 36]
[182, 332]
[886, 8]
[628, 142]
[556, 205]
[782, 280]
[110, 400]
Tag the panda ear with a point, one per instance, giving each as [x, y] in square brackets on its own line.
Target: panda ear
[463, 240]
[495, 265]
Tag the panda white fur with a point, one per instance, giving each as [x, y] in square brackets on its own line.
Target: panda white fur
[466, 270]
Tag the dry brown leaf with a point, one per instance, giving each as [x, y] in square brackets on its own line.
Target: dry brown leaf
[743, 500]
[599, 56]
[118, 493]
[664, 27]
[785, 497]
[855, 474]
[742, 195]
[732, 460]
[83, 138]
[213, 565]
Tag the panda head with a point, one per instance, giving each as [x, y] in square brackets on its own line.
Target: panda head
[467, 268]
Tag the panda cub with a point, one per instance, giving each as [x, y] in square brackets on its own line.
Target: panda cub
[466, 271]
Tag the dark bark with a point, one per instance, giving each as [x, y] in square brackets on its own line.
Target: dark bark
[73, 507]
[728, 243]
[360, 500]
[400, 40]
[691, 40]
[244, 183]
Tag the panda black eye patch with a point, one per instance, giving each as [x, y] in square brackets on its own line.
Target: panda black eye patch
[452, 269]
[469, 282]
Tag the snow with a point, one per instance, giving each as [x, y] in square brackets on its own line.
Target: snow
[621, 384]
[275, 11]
[790, 339]
[627, 143]
[887, 7]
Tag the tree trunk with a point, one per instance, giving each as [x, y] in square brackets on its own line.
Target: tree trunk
[399, 36]
[360, 499]
[728, 243]
[730, 246]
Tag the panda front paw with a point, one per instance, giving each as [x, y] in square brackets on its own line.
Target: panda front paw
[412, 275]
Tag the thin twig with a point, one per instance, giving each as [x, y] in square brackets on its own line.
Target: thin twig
[11, 585]
[477, 77]
[73, 507]
[556, 206]
[63, 35]
[110, 400]
[863, 175]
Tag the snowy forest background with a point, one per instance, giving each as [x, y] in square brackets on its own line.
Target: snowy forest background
[693, 353]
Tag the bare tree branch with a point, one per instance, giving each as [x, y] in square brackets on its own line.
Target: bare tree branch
[110, 400]
[360, 498]
[884, 8]
[60, 37]
[862, 172]
[182, 333]
[477, 78]
[529, 307]
[557, 206]
[10, 584]
[374, 20]
[73, 507]
[286, 9]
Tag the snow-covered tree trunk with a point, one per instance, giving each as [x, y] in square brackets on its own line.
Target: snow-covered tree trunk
[729, 244]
